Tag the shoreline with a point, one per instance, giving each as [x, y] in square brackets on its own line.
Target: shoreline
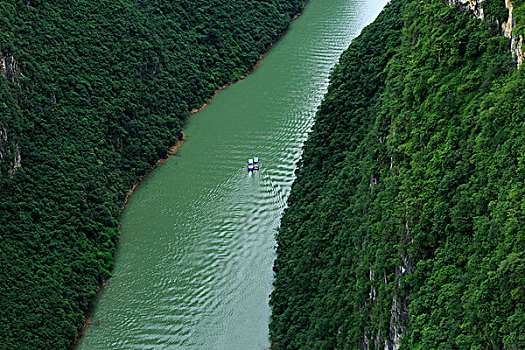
[173, 151]
[256, 65]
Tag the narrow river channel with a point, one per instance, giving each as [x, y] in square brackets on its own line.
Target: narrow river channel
[193, 268]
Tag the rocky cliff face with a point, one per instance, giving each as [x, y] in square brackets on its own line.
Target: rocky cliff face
[10, 158]
[473, 5]
[516, 40]
[508, 27]
[517, 49]
[9, 66]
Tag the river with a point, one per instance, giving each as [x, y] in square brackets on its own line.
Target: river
[193, 268]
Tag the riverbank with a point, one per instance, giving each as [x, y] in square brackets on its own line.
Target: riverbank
[172, 151]
[257, 64]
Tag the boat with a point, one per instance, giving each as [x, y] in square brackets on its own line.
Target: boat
[253, 164]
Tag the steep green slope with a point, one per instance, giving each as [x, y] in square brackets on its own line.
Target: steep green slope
[92, 94]
[405, 223]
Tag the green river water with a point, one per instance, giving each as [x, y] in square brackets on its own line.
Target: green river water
[193, 268]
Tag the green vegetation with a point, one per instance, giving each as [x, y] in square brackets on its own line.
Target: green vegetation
[405, 222]
[96, 92]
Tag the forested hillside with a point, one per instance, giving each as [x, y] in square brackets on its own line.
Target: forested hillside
[92, 94]
[405, 225]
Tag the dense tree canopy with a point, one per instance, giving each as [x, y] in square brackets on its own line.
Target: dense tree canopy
[92, 94]
[405, 223]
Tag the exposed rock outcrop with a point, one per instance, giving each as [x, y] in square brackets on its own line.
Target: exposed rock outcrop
[516, 46]
[399, 310]
[9, 66]
[508, 27]
[472, 5]
[516, 40]
[10, 157]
